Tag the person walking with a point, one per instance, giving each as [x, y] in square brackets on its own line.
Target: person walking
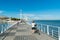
[33, 27]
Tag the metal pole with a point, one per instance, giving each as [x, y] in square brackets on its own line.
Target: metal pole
[48, 29]
[2, 29]
[59, 32]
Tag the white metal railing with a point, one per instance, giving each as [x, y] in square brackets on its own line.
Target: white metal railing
[4, 27]
[50, 30]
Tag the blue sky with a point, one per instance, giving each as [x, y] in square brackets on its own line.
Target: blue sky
[40, 9]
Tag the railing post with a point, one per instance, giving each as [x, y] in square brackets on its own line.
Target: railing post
[59, 33]
[52, 33]
[48, 29]
[41, 27]
[2, 29]
[44, 29]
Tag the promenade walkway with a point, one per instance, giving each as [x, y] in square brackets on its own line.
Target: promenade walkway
[23, 32]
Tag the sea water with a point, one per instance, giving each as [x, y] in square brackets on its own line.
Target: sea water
[49, 22]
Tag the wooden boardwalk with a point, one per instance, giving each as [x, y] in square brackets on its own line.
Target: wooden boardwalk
[23, 32]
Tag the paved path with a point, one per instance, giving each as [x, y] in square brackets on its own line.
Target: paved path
[23, 32]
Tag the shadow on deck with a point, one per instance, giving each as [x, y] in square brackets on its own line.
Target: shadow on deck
[23, 32]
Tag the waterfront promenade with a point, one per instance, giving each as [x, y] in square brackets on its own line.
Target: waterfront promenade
[22, 31]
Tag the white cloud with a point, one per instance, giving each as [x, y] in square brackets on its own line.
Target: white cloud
[49, 17]
[1, 11]
[41, 16]
[29, 16]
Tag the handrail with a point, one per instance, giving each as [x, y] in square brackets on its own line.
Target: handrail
[6, 27]
[48, 25]
[54, 32]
